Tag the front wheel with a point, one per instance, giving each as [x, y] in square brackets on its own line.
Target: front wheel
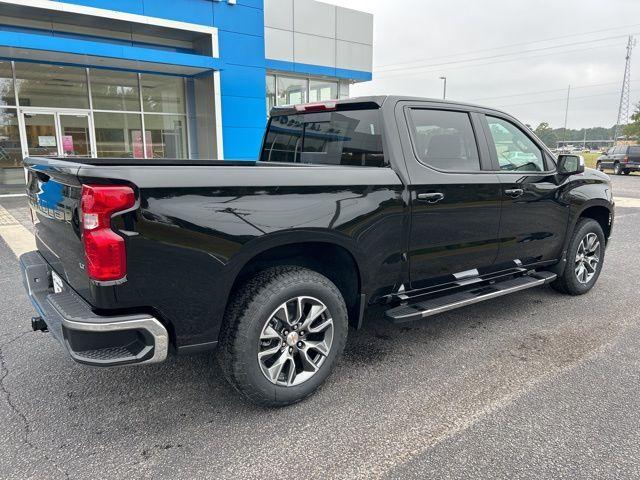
[283, 333]
[585, 257]
[617, 169]
[599, 166]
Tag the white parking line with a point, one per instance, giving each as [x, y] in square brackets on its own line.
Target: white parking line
[18, 238]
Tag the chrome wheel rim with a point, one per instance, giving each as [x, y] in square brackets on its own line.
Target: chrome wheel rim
[587, 258]
[295, 341]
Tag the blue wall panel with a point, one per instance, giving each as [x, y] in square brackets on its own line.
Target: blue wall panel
[190, 11]
[243, 111]
[242, 79]
[129, 6]
[245, 143]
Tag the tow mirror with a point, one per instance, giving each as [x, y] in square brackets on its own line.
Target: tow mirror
[570, 164]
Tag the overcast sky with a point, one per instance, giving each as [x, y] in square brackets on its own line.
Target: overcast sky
[415, 42]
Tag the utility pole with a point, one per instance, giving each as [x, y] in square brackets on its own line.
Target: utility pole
[566, 115]
[625, 94]
[444, 92]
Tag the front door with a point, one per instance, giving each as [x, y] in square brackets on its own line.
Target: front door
[455, 200]
[533, 221]
[57, 134]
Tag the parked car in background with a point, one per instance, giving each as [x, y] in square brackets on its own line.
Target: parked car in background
[622, 159]
[411, 205]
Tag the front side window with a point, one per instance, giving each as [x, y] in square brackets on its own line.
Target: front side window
[515, 150]
[327, 138]
[445, 140]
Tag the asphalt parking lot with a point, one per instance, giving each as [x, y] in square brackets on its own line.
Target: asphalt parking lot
[532, 385]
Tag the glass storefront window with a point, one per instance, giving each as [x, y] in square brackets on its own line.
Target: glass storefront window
[271, 92]
[168, 135]
[112, 90]
[56, 86]
[320, 91]
[291, 90]
[7, 94]
[118, 135]
[10, 149]
[163, 93]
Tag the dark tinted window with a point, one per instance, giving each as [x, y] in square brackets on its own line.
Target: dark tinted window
[634, 150]
[445, 140]
[329, 138]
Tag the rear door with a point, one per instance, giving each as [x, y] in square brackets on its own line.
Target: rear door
[533, 219]
[454, 197]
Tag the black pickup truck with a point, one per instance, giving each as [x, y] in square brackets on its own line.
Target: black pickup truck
[410, 205]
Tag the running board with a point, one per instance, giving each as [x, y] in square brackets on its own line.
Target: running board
[434, 306]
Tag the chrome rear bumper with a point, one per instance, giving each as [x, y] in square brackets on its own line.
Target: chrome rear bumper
[92, 339]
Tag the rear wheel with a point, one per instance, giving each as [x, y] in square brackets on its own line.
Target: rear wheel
[283, 333]
[585, 256]
[626, 172]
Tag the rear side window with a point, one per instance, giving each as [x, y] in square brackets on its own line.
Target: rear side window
[326, 138]
[634, 150]
[444, 140]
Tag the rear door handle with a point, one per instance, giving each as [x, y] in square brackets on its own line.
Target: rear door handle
[514, 192]
[433, 197]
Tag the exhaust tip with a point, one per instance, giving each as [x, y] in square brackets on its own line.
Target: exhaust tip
[38, 324]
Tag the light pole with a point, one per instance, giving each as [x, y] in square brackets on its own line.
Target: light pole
[444, 90]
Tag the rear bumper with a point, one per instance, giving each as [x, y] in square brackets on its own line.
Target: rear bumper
[90, 338]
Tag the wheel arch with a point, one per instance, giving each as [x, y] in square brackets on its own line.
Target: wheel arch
[327, 255]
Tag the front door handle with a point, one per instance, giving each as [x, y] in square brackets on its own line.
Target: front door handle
[514, 192]
[433, 197]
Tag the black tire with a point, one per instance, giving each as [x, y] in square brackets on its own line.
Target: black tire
[599, 166]
[568, 281]
[626, 172]
[617, 169]
[245, 318]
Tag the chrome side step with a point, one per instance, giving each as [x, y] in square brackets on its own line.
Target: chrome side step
[434, 306]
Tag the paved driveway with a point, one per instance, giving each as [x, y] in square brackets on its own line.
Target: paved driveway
[533, 385]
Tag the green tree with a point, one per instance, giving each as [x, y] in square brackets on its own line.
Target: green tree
[633, 129]
[546, 134]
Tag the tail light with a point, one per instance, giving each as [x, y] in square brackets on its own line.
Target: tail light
[104, 249]
[625, 159]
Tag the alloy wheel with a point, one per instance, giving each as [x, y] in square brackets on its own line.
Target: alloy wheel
[587, 258]
[295, 341]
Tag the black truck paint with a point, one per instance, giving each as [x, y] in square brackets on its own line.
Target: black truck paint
[199, 229]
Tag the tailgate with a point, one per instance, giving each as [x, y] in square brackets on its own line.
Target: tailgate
[54, 198]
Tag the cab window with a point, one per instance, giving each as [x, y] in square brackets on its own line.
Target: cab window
[514, 149]
[444, 140]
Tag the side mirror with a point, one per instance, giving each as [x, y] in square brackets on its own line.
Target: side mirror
[570, 164]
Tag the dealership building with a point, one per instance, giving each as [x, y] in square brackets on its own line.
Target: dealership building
[165, 78]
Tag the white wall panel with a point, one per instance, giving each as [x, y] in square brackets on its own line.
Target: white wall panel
[278, 44]
[354, 56]
[314, 50]
[354, 26]
[278, 14]
[314, 18]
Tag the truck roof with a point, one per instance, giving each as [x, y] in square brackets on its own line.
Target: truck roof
[368, 102]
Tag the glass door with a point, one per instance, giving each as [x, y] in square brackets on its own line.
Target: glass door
[57, 134]
[75, 136]
[41, 134]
